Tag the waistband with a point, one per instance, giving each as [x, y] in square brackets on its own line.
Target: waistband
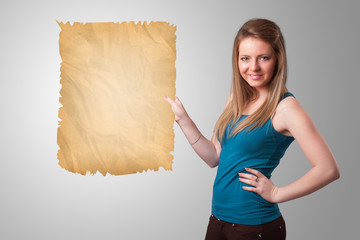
[278, 221]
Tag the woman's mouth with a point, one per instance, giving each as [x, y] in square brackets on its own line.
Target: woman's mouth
[255, 76]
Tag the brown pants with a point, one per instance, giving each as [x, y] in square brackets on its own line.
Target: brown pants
[221, 230]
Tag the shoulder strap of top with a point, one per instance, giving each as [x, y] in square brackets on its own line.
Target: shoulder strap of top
[288, 94]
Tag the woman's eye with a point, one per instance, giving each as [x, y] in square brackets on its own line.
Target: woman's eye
[244, 59]
[264, 58]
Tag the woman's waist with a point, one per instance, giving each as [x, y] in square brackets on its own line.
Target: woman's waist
[231, 192]
[245, 212]
[227, 175]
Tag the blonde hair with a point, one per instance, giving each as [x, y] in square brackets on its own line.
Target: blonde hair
[242, 92]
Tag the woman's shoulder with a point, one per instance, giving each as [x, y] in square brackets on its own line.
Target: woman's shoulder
[288, 104]
[289, 113]
[289, 109]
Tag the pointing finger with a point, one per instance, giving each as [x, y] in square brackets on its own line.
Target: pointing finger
[248, 176]
[169, 100]
[253, 171]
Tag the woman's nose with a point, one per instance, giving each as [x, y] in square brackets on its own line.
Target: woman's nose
[254, 66]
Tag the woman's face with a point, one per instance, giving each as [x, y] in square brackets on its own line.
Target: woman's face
[256, 61]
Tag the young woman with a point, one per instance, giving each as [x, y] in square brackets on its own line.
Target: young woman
[260, 120]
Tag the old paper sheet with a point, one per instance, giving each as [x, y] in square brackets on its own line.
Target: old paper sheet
[113, 77]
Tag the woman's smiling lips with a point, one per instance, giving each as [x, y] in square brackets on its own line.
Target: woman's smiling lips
[255, 76]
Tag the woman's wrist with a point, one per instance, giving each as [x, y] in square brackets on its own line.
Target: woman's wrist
[277, 195]
[190, 130]
[183, 121]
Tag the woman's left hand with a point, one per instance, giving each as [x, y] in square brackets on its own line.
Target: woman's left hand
[261, 184]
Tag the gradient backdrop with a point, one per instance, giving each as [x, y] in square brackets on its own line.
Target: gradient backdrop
[40, 200]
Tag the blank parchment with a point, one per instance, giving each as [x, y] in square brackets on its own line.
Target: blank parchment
[113, 78]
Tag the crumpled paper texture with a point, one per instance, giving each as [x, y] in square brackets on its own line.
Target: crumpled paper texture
[113, 116]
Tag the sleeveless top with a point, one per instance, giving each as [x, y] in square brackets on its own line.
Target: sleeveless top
[260, 149]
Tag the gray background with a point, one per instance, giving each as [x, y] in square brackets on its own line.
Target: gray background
[40, 200]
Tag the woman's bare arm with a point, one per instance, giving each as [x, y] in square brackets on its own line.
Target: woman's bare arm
[208, 150]
[324, 167]
[295, 120]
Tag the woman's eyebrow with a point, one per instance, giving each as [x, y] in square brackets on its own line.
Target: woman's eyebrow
[262, 54]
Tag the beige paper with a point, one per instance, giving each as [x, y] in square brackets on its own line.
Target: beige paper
[113, 77]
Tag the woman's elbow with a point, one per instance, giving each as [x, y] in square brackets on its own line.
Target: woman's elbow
[214, 163]
[334, 173]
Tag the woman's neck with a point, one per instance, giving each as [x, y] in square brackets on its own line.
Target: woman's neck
[260, 95]
[256, 101]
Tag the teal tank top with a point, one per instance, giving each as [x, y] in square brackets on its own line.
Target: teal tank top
[260, 149]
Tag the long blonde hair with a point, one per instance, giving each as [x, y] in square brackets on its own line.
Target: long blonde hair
[242, 92]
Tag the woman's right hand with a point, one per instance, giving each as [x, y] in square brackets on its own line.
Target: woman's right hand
[178, 108]
[207, 150]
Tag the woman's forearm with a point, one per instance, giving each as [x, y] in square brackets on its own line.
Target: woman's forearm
[313, 180]
[202, 146]
[206, 149]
